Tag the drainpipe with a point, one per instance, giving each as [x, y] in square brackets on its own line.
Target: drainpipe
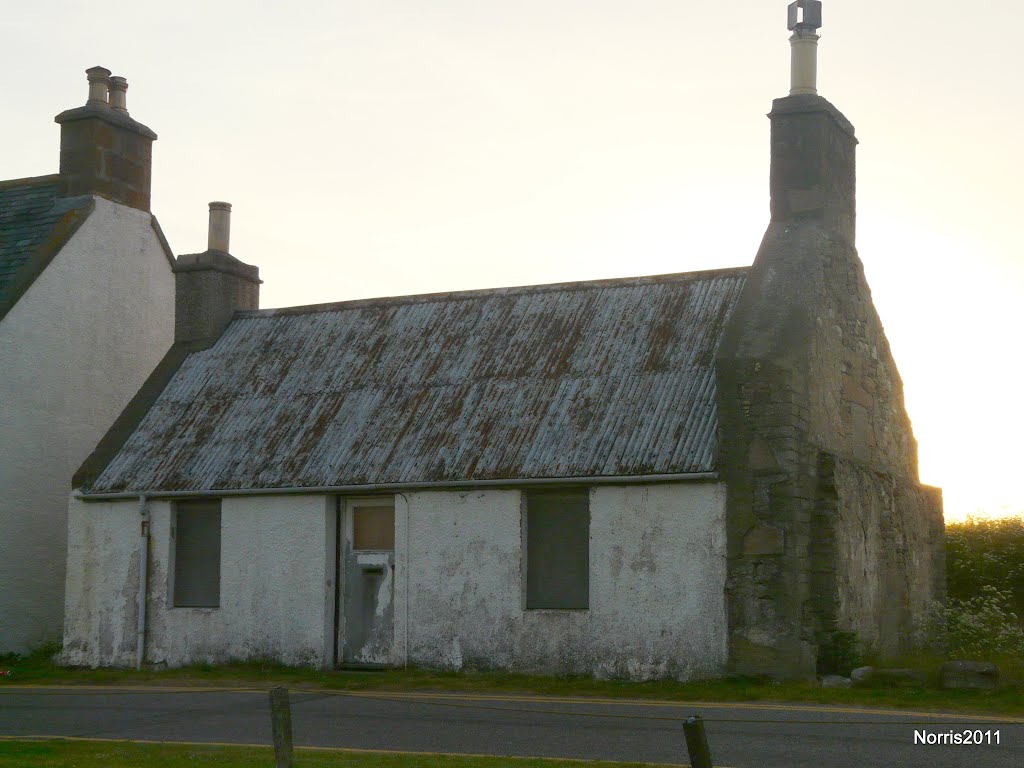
[140, 640]
[407, 569]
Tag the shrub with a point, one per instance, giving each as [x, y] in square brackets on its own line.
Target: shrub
[984, 552]
[981, 627]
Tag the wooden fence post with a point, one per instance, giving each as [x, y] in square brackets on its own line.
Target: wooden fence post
[697, 742]
[281, 723]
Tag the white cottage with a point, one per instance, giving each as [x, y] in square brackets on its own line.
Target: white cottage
[520, 478]
[86, 313]
[668, 476]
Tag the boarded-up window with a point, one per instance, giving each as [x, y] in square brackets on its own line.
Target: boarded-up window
[373, 527]
[197, 554]
[558, 549]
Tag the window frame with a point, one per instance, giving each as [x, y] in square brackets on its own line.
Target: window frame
[371, 502]
[173, 561]
[587, 493]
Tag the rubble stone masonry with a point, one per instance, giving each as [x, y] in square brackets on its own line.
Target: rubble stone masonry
[828, 527]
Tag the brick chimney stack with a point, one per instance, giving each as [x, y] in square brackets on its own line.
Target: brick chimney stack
[103, 151]
[211, 286]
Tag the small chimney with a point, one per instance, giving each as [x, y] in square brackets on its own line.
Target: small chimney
[211, 286]
[99, 83]
[804, 21]
[219, 238]
[813, 170]
[119, 94]
[103, 151]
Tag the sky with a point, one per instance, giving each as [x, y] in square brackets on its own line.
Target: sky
[388, 147]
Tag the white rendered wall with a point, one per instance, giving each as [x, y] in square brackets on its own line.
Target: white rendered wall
[102, 583]
[74, 350]
[657, 585]
[276, 590]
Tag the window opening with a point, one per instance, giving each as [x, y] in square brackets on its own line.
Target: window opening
[558, 549]
[197, 554]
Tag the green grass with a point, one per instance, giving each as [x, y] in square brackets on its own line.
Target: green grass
[1009, 700]
[112, 754]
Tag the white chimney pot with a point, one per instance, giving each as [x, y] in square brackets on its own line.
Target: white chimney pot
[803, 62]
[220, 227]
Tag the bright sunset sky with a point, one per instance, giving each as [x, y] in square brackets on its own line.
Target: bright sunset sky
[386, 147]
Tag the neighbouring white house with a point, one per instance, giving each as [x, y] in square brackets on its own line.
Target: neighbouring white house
[86, 313]
[667, 476]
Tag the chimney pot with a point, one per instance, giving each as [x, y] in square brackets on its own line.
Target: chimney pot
[118, 94]
[99, 83]
[219, 238]
[804, 21]
[803, 76]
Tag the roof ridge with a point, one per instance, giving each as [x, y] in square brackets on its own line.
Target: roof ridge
[518, 290]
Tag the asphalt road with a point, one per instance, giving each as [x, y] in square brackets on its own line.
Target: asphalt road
[741, 736]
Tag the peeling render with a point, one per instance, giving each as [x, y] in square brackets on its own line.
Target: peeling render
[657, 578]
[369, 607]
[275, 568]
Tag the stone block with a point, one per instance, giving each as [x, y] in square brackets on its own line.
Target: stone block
[760, 456]
[854, 393]
[982, 675]
[104, 153]
[835, 681]
[764, 539]
[862, 674]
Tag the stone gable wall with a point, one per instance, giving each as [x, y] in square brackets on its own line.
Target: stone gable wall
[856, 406]
[886, 573]
[815, 445]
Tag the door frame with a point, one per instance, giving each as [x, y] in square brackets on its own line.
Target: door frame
[344, 539]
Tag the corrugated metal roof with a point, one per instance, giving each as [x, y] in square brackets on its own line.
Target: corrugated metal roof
[582, 379]
[30, 212]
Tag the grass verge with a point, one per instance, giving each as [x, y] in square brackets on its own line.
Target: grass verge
[113, 754]
[39, 669]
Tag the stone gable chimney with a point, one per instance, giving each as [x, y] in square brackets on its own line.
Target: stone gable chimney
[211, 286]
[813, 172]
[814, 444]
[103, 151]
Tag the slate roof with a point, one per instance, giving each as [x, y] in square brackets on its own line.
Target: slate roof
[604, 378]
[34, 224]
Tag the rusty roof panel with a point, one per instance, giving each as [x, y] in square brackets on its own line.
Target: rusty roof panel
[582, 379]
